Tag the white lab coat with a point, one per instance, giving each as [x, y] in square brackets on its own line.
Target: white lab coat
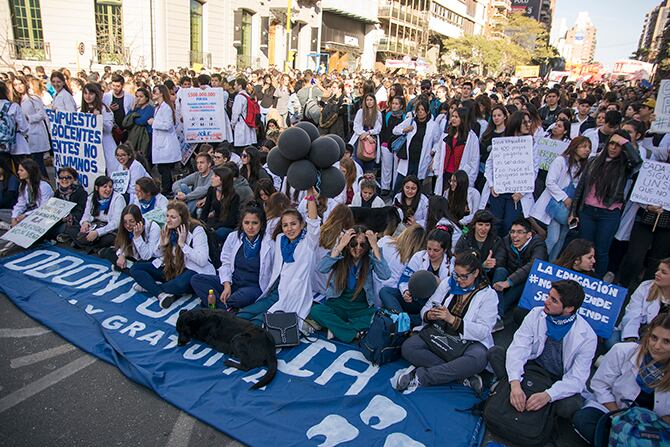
[165, 147]
[579, 346]
[473, 204]
[378, 202]
[592, 134]
[359, 129]
[136, 171]
[420, 261]
[480, 318]
[243, 135]
[38, 135]
[64, 102]
[21, 207]
[108, 143]
[639, 311]
[196, 253]
[429, 141]
[615, 381]
[330, 205]
[229, 252]
[111, 218]
[469, 161]
[161, 202]
[557, 180]
[144, 248]
[392, 258]
[22, 128]
[421, 213]
[295, 287]
[128, 101]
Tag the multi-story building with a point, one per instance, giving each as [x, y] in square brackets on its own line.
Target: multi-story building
[540, 10]
[496, 17]
[652, 32]
[405, 26]
[159, 34]
[579, 46]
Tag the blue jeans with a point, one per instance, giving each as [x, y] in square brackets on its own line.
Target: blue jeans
[392, 299]
[147, 276]
[255, 312]
[599, 225]
[556, 234]
[239, 297]
[504, 208]
[508, 297]
[585, 422]
[191, 204]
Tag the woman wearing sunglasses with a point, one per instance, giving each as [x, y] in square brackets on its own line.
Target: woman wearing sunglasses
[70, 190]
[350, 298]
[466, 307]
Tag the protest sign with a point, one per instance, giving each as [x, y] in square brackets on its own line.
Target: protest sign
[513, 169]
[120, 180]
[76, 140]
[653, 185]
[157, 215]
[39, 222]
[202, 112]
[601, 305]
[548, 150]
[662, 111]
[527, 71]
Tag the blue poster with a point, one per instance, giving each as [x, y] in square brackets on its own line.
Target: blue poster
[602, 303]
[325, 393]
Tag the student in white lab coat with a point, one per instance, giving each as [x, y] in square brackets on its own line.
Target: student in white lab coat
[412, 203]
[35, 113]
[290, 288]
[243, 135]
[20, 146]
[165, 147]
[560, 341]
[33, 191]
[92, 103]
[630, 372]
[182, 252]
[63, 101]
[125, 155]
[102, 216]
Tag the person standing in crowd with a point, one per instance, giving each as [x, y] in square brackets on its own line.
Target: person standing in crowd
[499, 116]
[549, 112]
[165, 147]
[243, 134]
[136, 123]
[34, 111]
[282, 94]
[19, 147]
[120, 103]
[583, 120]
[33, 191]
[459, 150]
[599, 197]
[333, 115]
[92, 103]
[63, 100]
[389, 162]
[366, 129]
[600, 135]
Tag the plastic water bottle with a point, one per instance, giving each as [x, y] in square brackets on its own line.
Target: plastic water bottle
[211, 299]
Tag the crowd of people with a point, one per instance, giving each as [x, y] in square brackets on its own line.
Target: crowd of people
[229, 230]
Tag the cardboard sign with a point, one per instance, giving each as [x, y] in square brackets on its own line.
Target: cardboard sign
[37, 223]
[202, 112]
[653, 185]
[513, 169]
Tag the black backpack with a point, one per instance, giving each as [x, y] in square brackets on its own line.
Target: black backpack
[530, 428]
[381, 344]
[214, 246]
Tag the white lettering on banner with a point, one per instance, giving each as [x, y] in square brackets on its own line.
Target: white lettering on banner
[591, 284]
[39, 222]
[76, 140]
[385, 411]
[173, 342]
[338, 366]
[193, 354]
[114, 322]
[92, 310]
[296, 365]
[39, 272]
[213, 359]
[653, 185]
[172, 321]
[254, 378]
[152, 337]
[513, 164]
[97, 270]
[548, 149]
[16, 263]
[335, 429]
[133, 328]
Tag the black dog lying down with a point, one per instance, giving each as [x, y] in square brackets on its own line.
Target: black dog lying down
[234, 336]
[376, 219]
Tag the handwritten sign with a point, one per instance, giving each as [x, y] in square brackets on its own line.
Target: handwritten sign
[602, 302]
[662, 111]
[120, 180]
[653, 185]
[202, 112]
[37, 223]
[76, 141]
[513, 169]
[527, 71]
[548, 150]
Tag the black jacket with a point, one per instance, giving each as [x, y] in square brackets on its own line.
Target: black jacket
[493, 243]
[78, 196]
[213, 206]
[519, 265]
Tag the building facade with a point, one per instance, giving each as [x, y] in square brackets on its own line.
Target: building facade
[579, 45]
[540, 10]
[655, 22]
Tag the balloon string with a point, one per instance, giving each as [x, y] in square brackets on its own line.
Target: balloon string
[317, 186]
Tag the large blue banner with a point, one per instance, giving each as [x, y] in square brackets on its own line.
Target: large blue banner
[325, 393]
[602, 303]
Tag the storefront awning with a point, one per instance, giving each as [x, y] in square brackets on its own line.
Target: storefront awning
[350, 15]
[336, 46]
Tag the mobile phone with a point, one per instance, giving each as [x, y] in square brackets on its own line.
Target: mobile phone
[435, 305]
[573, 223]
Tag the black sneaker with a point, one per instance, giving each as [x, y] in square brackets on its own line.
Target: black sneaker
[499, 326]
[167, 300]
[475, 383]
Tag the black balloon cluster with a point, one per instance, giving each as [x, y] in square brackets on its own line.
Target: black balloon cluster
[307, 159]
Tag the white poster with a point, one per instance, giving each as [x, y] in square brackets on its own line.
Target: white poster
[662, 111]
[202, 112]
[39, 222]
[513, 169]
[548, 150]
[120, 180]
[653, 185]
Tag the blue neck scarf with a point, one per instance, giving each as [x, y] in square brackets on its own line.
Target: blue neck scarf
[558, 327]
[147, 205]
[649, 374]
[174, 237]
[455, 289]
[352, 276]
[288, 247]
[251, 248]
[104, 204]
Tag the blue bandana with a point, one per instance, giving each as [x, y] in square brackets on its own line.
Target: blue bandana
[455, 289]
[352, 277]
[251, 248]
[174, 237]
[558, 327]
[288, 247]
[147, 205]
[649, 374]
[104, 204]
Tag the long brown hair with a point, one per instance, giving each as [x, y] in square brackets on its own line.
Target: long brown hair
[122, 238]
[97, 102]
[227, 191]
[661, 320]
[276, 204]
[350, 176]
[340, 270]
[173, 258]
[369, 113]
[655, 291]
[570, 155]
[165, 94]
[339, 220]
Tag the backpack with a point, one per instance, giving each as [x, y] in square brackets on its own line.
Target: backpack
[253, 112]
[638, 427]
[530, 428]
[214, 246]
[329, 115]
[7, 129]
[381, 344]
[312, 110]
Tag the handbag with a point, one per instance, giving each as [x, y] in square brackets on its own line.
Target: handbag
[557, 210]
[399, 147]
[283, 327]
[367, 150]
[446, 346]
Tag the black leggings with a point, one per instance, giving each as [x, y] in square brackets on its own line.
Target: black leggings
[644, 244]
[165, 171]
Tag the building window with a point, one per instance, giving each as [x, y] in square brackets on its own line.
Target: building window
[28, 43]
[242, 37]
[196, 32]
[109, 32]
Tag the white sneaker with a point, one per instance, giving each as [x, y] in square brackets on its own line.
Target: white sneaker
[408, 382]
[330, 335]
[139, 288]
[475, 383]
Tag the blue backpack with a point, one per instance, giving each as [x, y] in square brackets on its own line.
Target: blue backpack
[7, 129]
[638, 427]
[381, 344]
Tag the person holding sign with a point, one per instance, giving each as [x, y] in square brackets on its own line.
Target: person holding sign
[630, 373]
[132, 169]
[33, 191]
[70, 190]
[92, 103]
[165, 147]
[560, 342]
[553, 206]
[600, 195]
[101, 217]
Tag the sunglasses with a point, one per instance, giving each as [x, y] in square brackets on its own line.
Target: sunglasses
[243, 156]
[65, 177]
[354, 244]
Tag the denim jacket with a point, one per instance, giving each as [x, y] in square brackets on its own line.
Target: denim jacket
[380, 267]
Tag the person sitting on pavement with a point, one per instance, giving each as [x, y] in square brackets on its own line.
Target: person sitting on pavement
[194, 187]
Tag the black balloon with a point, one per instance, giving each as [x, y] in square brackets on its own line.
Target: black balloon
[340, 143]
[310, 128]
[277, 163]
[294, 143]
[324, 152]
[422, 285]
[302, 174]
[332, 182]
